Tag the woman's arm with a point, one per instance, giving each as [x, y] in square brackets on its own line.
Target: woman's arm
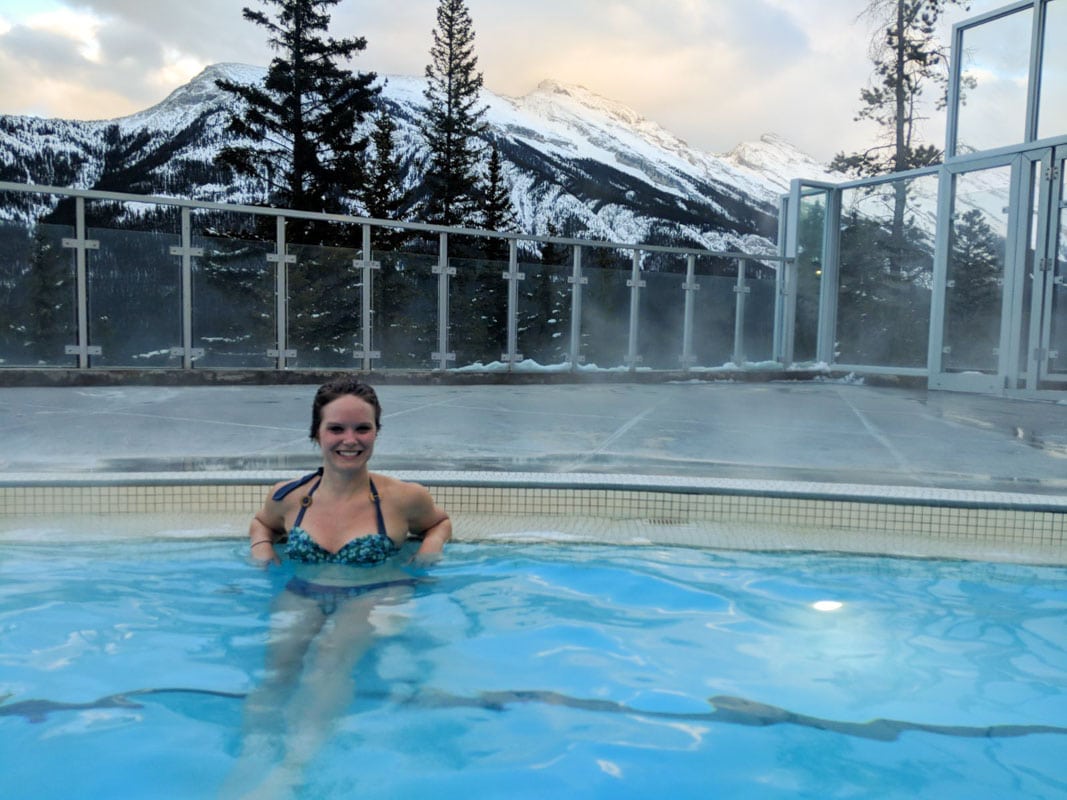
[427, 520]
[267, 525]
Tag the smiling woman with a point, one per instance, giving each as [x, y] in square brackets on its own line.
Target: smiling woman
[344, 529]
[345, 420]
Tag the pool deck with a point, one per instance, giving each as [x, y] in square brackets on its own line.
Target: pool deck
[815, 465]
[822, 431]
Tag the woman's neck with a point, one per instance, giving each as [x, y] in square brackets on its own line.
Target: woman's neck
[345, 483]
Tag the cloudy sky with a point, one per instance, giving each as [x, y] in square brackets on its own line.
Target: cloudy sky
[715, 72]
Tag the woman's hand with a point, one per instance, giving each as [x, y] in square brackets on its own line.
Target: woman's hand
[262, 553]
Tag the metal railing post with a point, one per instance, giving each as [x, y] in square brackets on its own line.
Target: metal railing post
[690, 287]
[741, 290]
[636, 284]
[187, 252]
[513, 276]
[443, 272]
[81, 245]
[577, 281]
[281, 260]
[368, 265]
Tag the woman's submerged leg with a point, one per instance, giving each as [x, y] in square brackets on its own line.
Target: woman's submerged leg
[309, 686]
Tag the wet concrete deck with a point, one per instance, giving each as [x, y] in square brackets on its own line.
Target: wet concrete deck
[810, 431]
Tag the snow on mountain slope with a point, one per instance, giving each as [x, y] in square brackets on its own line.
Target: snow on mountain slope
[576, 164]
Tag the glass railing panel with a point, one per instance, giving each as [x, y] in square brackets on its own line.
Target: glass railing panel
[1052, 111]
[605, 318]
[544, 310]
[234, 309]
[1058, 316]
[38, 294]
[994, 76]
[809, 270]
[757, 344]
[405, 310]
[975, 276]
[134, 294]
[886, 273]
[715, 312]
[662, 316]
[325, 311]
[478, 311]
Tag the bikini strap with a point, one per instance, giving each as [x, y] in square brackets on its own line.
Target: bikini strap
[293, 485]
[378, 509]
[305, 501]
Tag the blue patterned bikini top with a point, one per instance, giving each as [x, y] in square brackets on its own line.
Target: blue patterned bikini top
[362, 551]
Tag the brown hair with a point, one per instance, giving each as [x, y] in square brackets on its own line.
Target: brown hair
[339, 387]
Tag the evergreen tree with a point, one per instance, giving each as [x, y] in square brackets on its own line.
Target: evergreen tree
[496, 211]
[974, 294]
[50, 313]
[381, 192]
[382, 195]
[302, 121]
[495, 201]
[907, 57]
[976, 267]
[453, 121]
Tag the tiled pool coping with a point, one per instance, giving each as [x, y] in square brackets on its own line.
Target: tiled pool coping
[623, 509]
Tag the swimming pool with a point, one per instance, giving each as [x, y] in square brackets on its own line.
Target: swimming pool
[533, 670]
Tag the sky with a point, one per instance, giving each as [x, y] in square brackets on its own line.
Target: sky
[713, 72]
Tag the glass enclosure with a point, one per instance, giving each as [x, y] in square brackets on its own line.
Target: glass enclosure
[1052, 111]
[811, 228]
[885, 278]
[976, 270]
[1058, 306]
[994, 83]
[757, 331]
[324, 312]
[954, 271]
[405, 307]
[478, 296]
[181, 286]
[38, 294]
[661, 312]
[134, 287]
[234, 288]
[544, 309]
[605, 320]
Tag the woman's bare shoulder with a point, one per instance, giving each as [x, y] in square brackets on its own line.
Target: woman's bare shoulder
[406, 494]
[396, 486]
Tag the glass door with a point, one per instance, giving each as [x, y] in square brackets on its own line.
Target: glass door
[976, 257]
[1001, 323]
[1050, 275]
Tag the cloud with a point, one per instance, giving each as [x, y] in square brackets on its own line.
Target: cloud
[715, 72]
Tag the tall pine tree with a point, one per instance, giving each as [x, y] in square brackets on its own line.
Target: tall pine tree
[381, 190]
[495, 200]
[907, 58]
[302, 121]
[453, 122]
[495, 205]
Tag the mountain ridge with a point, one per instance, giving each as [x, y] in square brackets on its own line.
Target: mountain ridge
[576, 163]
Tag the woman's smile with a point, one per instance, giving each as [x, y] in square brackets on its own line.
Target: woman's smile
[348, 431]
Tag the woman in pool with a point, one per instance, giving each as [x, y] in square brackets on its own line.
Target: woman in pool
[342, 515]
[344, 528]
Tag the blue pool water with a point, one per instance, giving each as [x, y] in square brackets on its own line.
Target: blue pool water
[526, 671]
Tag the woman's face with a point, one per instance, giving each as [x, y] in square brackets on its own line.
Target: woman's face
[347, 432]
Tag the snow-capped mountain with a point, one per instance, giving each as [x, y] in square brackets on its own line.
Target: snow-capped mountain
[577, 164]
